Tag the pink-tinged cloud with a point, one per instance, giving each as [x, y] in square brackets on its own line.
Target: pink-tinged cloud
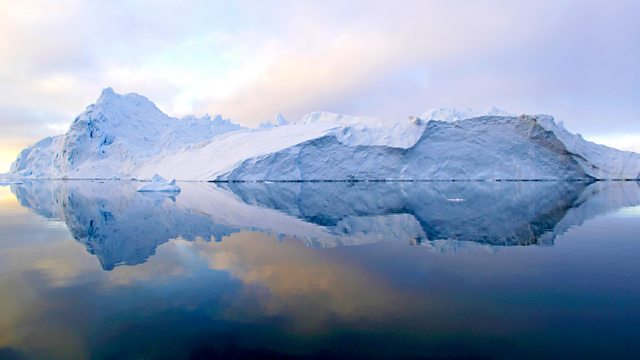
[250, 60]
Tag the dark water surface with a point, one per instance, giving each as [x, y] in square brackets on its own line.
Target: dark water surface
[97, 270]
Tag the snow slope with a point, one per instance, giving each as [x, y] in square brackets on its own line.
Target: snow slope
[126, 136]
[222, 155]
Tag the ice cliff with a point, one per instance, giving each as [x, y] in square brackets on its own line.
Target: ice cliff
[127, 136]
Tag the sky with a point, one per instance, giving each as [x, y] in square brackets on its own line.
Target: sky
[250, 60]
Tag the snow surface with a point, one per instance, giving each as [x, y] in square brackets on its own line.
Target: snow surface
[450, 114]
[127, 136]
[160, 184]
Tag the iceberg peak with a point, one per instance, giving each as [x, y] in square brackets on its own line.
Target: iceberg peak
[280, 120]
[108, 91]
[107, 95]
[110, 100]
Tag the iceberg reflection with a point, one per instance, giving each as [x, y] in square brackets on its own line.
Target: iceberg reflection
[122, 226]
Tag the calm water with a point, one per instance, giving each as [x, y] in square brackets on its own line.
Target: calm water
[320, 270]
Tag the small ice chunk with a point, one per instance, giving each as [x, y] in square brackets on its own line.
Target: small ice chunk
[158, 183]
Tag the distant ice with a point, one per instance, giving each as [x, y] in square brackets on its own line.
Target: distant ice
[160, 184]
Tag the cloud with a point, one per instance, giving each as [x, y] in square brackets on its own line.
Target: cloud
[397, 61]
[21, 126]
[250, 60]
[300, 287]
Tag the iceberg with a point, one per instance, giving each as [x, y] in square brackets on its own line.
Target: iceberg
[112, 138]
[128, 137]
[159, 184]
[278, 121]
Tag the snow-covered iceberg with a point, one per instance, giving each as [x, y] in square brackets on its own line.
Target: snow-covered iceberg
[127, 136]
[114, 137]
[159, 184]
[278, 121]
